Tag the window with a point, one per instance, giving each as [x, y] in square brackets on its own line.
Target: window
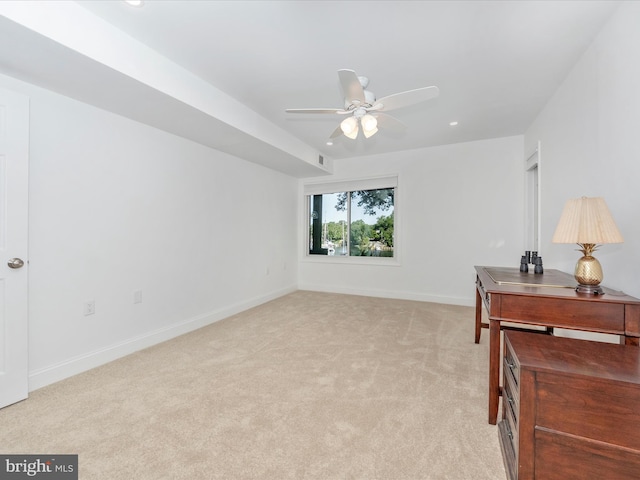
[354, 222]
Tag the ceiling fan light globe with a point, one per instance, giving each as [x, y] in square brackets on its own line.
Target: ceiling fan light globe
[369, 133]
[369, 122]
[352, 135]
[349, 127]
[369, 125]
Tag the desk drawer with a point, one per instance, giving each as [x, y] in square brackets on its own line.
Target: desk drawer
[559, 312]
[486, 297]
[632, 317]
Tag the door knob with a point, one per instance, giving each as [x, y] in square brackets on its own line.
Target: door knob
[15, 263]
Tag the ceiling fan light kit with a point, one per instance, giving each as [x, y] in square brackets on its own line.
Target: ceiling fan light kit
[362, 107]
[369, 123]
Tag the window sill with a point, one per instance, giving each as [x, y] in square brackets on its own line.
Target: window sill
[344, 260]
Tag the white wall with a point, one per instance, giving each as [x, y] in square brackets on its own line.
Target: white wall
[456, 206]
[117, 206]
[589, 143]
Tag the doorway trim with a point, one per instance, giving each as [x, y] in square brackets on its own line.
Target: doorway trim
[533, 197]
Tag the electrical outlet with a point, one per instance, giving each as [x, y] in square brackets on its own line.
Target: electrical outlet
[89, 307]
[137, 296]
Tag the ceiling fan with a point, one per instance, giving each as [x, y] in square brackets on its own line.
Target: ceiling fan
[361, 106]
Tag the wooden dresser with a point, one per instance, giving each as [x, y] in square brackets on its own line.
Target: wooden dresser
[571, 409]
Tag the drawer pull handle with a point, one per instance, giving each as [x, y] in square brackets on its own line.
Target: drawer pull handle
[509, 432]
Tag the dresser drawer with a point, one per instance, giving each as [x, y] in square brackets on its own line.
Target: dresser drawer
[590, 408]
[511, 367]
[588, 459]
[511, 401]
[511, 427]
[509, 454]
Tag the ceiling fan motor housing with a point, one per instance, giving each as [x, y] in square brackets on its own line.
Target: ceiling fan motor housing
[369, 100]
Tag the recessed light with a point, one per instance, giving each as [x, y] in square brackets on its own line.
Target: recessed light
[329, 143]
[134, 3]
[453, 124]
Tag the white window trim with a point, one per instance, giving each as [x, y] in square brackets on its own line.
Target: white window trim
[351, 185]
[369, 183]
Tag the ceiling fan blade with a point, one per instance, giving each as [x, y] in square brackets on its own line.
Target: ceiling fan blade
[405, 99]
[317, 110]
[389, 123]
[353, 91]
[336, 133]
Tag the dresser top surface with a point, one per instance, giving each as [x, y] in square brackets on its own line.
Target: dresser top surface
[576, 357]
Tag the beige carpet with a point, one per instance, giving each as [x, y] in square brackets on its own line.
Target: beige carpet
[309, 386]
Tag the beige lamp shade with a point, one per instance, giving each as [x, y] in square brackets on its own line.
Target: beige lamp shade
[586, 221]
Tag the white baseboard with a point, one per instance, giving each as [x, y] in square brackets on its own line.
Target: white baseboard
[46, 376]
[400, 295]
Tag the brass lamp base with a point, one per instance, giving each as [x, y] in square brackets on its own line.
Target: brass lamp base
[588, 272]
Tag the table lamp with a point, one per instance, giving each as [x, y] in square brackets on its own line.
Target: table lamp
[587, 222]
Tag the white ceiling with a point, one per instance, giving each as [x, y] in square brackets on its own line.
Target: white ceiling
[496, 62]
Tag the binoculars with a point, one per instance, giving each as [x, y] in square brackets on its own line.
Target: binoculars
[531, 258]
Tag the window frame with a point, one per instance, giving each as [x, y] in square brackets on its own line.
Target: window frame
[369, 183]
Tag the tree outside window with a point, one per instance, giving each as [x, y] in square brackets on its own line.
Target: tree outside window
[357, 223]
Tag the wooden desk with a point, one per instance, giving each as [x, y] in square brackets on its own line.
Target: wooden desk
[547, 300]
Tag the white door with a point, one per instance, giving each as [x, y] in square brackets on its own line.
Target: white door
[14, 171]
